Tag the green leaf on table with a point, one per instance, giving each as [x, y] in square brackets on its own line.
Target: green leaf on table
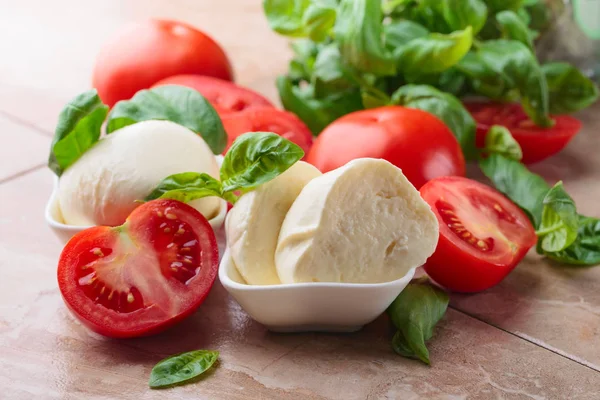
[359, 33]
[569, 89]
[499, 140]
[446, 107]
[523, 187]
[186, 186]
[585, 250]
[399, 33]
[560, 222]
[319, 18]
[256, 158]
[513, 27]
[433, 53]
[415, 313]
[178, 104]
[286, 16]
[78, 129]
[181, 368]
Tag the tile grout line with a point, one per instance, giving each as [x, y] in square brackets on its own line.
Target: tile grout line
[26, 123]
[537, 343]
[21, 173]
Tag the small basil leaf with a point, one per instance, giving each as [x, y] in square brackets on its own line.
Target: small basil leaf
[330, 73]
[78, 129]
[499, 140]
[318, 20]
[569, 89]
[185, 187]
[522, 186]
[181, 367]
[256, 158]
[434, 53]
[399, 33]
[285, 16]
[302, 65]
[558, 228]
[446, 107]
[178, 104]
[585, 250]
[359, 33]
[400, 346]
[415, 312]
[513, 27]
[460, 14]
[483, 79]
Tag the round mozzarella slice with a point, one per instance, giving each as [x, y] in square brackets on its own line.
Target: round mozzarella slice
[253, 225]
[361, 223]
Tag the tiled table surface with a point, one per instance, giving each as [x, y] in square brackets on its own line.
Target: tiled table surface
[534, 336]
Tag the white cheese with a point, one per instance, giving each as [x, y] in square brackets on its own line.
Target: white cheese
[253, 225]
[361, 223]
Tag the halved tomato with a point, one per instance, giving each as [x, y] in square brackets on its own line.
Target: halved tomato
[536, 142]
[483, 235]
[273, 120]
[225, 96]
[142, 277]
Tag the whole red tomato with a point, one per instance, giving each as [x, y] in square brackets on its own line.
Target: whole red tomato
[143, 53]
[413, 140]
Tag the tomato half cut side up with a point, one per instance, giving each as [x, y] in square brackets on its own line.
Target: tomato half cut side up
[142, 277]
[483, 235]
[536, 142]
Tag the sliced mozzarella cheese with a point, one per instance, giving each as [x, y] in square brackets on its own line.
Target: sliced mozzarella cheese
[253, 225]
[361, 223]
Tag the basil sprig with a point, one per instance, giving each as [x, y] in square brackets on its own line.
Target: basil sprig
[181, 368]
[78, 129]
[498, 140]
[415, 313]
[254, 159]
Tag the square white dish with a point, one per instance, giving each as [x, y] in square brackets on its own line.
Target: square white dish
[316, 307]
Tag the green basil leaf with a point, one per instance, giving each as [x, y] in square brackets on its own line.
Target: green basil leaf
[513, 27]
[318, 20]
[181, 367]
[330, 73]
[460, 14]
[446, 107]
[302, 65]
[178, 104]
[522, 186]
[585, 250]
[434, 53]
[359, 33]
[560, 221]
[518, 67]
[415, 312]
[186, 186]
[483, 79]
[399, 33]
[499, 140]
[286, 16]
[317, 113]
[78, 129]
[256, 158]
[499, 5]
[569, 89]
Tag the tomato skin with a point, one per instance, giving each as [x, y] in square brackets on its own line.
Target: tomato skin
[536, 142]
[225, 97]
[146, 320]
[413, 140]
[281, 122]
[143, 53]
[461, 268]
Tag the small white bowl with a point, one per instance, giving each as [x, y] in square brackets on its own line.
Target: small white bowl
[64, 232]
[317, 307]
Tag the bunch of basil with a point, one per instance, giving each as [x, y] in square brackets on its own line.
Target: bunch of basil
[355, 54]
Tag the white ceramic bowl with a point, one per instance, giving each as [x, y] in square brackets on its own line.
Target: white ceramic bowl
[64, 232]
[320, 306]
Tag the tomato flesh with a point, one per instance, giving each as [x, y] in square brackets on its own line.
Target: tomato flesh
[483, 235]
[225, 97]
[273, 120]
[536, 142]
[141, 277]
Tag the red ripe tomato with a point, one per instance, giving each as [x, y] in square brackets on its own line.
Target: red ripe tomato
[225, 97]
[536, 142]
[142, 277]
[483, 235]
[146, 52]
[273, 120]
[413, 140]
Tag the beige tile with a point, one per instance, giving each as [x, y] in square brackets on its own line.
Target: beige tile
[22, 148]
